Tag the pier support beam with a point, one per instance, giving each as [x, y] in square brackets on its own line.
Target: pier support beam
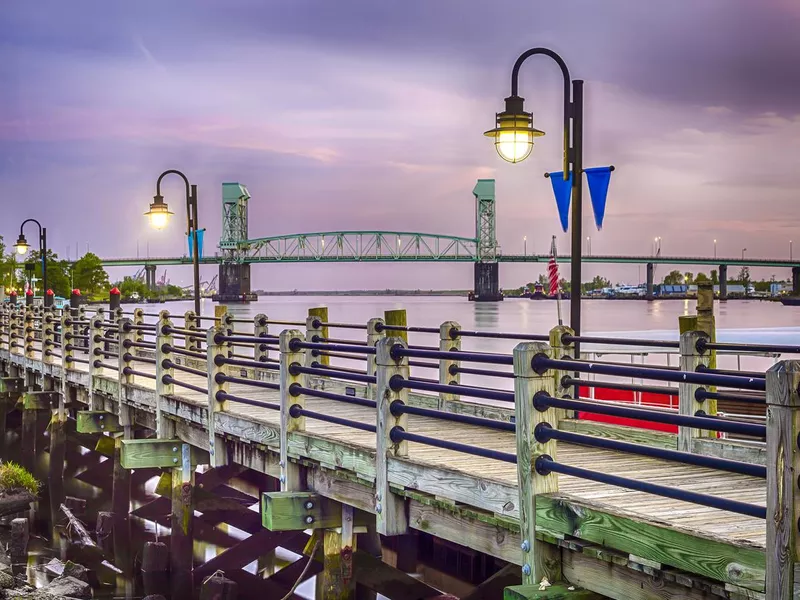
[234, 283]
[150, 277]
[650, 278]
[181, 539]
[723, 282]
[783, 464]
[487, 282]
[795, 281]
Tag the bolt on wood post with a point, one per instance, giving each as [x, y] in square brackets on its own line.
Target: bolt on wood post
[375, 333]
[690, 360]
[181, 538]
[138, 332]
[390, 509]
[449, 340]
[165, 428]
[218, 455]
[260, 329]
[315, 332]
[539, 559]
[67, 342]
[290, 474]
[783, 466]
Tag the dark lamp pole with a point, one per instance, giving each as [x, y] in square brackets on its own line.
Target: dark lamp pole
[22, 246]
[514, 138]
[159, 215]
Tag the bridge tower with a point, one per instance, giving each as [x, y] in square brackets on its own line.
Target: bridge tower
[234, 273]
[487, 269]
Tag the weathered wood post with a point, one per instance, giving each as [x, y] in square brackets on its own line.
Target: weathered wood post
[315, 329]
[17, 347]
[67, 342]
[449, 340]
[218, 454]
[338, 547]
[390, 509]
[539, 559]
[58, 419]
[191, 323]
[691, 359]
[18, 545]
[396, 318]
[260, 328]
[561, 350]
[165, 428]
[121, 484]
[30, 350]
[290, 476]
[181, 538]
[783, 467]
[95, 356]
[138, 332]
[704, 322]
[48, 336]
[375, 333]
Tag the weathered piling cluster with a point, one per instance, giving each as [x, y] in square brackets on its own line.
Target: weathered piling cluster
[376, 470]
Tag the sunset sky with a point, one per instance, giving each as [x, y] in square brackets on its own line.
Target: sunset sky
[360, 114]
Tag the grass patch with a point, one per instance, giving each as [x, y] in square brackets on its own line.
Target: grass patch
[14, 478]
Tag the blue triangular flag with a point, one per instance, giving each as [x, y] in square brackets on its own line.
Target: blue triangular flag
[200, 235]
[598, 179]
[563, 193]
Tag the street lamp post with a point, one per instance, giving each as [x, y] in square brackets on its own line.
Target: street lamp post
[743, 251]
[513, 139]
[715, 248]
[589, 244]
[22, 246]
[159, 215]
[525, 244]
[790, 249]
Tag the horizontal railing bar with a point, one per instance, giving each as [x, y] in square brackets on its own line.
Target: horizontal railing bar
[168, 364]
[225, 396]
[379, 327]
[99, 364]
[268, 385]
[398, 434]
[702, 394]
[195, 388]
[331, 372]
[541, 363]
[567, 381]
[320, 325]
[318, 365]
[141, 359]
[397, 382]
[543, 400]
[703, 344]
[297, 389]
[587, 339]
[129, 371]
[167, 348]
[324, 340]
[220, 360]
[533, 337]
[496, 359]
[399, 408]
[297, 344]
[298, 411]
[183, 332]
[545, 432]
[752, 374]
[455, 370]
[246, 339]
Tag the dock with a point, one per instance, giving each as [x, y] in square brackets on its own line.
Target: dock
[358, 463]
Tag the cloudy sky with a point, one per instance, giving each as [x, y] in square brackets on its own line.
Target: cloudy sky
[369, 115]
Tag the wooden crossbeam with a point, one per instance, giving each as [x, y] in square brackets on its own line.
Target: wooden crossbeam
[97, 421]
[154, 453]
[296, 511]
[11, 384]
[555, 592]
[244, 552]
[39, 400]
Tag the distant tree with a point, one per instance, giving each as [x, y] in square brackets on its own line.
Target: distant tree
[57, 273]
[702, 278]
[129, 286]
[173, 291]
[673, 278]
[714, 277]
[563, 284]
[543, 280]
[89, 276]
[744, 278]
[598, 282]
[688, 278]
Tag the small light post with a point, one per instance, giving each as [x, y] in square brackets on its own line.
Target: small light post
[22, 246]
[715, 248]
[525, 245]
[743, 251]
[790, 250]
[159, 215]
[589, 244]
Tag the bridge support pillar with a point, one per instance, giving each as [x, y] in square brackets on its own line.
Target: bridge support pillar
[795, 281]
[723, 282]
[650, 277]
[234, 283]
[487, 282]
[150, 277]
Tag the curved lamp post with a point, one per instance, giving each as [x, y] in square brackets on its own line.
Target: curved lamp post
[22, 246]
[513, 140]
[159, 215]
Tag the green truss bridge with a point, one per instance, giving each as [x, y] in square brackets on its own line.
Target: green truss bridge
[237, 251]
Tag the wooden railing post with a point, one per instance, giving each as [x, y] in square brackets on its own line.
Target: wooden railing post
[314, 334]
[29, 331]
[290, 472]
[783, 466]
[560, 350]
[449, 342]
[260, 327]
[191, 323]
[218, 454]
[14, 345]
[48, 336]
[95, 345]
[691, 358]
[539, 559]
[390, 509]
[67, 342]
[165, 428]
[374, 334]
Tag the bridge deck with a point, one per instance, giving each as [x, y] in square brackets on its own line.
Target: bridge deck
[700, 520]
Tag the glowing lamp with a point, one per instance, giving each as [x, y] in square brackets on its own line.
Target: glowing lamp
[159, 213]
[513, 136]
[22, 246]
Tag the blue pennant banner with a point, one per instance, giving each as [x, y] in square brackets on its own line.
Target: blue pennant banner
[598, 179]
[200, 235]
[563, 193]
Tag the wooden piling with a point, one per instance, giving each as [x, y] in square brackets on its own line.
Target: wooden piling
[155, 567]
[338, 582]
[290, 475]
[120, 507]
[18, 545]
[181, 539]
[104, 532]
[396, 318]
[690, 360]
